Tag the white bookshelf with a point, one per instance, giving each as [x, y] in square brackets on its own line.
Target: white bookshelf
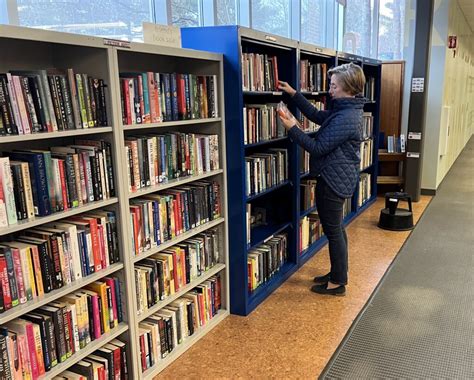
[32, 49]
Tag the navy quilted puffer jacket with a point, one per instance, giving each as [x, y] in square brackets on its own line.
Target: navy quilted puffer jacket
[335, 148]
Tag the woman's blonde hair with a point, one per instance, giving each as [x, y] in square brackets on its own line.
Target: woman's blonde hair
[350, 76]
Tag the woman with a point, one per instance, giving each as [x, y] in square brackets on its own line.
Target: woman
[334, 161]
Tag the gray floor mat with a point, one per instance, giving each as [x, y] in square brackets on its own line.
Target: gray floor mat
[419, 324]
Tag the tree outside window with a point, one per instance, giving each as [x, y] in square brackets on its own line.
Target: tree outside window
[185, 13]
[106, 18]
[226, 12]
[358, 27]
[313, 22]
[272, 16]
[391, 27]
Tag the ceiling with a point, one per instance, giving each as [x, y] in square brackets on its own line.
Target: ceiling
[467, 7]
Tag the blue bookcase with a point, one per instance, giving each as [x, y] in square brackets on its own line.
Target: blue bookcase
[282, 202]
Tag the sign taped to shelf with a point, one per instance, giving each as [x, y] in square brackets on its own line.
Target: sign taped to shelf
[414, 136]
[413, 155]
[116, 43]
[162, 35]
[417, 84]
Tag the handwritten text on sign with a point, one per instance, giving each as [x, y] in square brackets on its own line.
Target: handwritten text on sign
[163, 35]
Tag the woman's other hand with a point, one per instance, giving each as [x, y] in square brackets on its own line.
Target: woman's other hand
[284, 86]
[288, 120]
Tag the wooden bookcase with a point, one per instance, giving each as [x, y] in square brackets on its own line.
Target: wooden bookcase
[233, 41]
[32, 49]
[391, 165]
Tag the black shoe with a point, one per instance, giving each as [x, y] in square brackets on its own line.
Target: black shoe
[322, 279]
[323, 289]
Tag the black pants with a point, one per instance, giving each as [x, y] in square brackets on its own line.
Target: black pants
[329, 207]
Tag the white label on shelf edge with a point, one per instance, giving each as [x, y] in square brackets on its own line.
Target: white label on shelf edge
[117, 43]
[413, 155]
[414, 135]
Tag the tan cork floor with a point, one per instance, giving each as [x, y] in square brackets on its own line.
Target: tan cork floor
[294, 332]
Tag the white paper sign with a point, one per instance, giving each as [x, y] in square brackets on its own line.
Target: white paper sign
[163, 35]
[417, 84]
[413, 155]
[414, 135]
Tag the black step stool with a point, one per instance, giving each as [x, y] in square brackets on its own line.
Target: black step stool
[394, 218]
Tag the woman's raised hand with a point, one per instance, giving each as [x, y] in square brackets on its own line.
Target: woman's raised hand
[284, 86]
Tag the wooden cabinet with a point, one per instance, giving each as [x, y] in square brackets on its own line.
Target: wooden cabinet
[391, 165]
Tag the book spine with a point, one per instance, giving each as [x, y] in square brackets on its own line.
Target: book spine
[93, 101]
[25, 122]
[48, 100]
[37, 102]
[7, 183]
[68, 102]
[14, 103]
[55, 102]
[6, 107]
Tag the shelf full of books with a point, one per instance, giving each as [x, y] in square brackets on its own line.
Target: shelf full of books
[260, 157]
[173, 155]
[254, 61]
[110, 235]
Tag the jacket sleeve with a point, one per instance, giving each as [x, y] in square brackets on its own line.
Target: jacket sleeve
[308, 109]
[325, 141]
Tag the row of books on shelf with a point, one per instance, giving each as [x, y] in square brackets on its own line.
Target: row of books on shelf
[164, 331]
[167, 272]
[254, 217]
[55, 255]
[369, 88]
[259, 72]
[160, 217]
[313, 76]
[367, 125]
[108, 362]
[366, 153]
[310, 230]
[347, 207]
[261, 122]
[266, 169]
[50, 100]
[42, 182]
[365, 188]
[156, 97]
[307, 125]
[51, 334]
[396, 144]
[154, 159]
[304, 161]
[265, 261]
[307, 194]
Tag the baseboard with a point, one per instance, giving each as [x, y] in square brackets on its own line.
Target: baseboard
[428, 191]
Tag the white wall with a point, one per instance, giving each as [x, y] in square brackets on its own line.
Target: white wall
[458, 90]
[436, 75]
[450, 84]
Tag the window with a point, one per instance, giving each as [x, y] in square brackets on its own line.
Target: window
[358, 27]
[272, 16]
[107, 18]
[391, 27]
[226, 12]
[185, 12]
[313, 22]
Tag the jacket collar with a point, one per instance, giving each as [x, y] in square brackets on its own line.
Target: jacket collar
[343, 103]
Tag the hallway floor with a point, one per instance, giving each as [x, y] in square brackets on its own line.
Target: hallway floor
[294, 332]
